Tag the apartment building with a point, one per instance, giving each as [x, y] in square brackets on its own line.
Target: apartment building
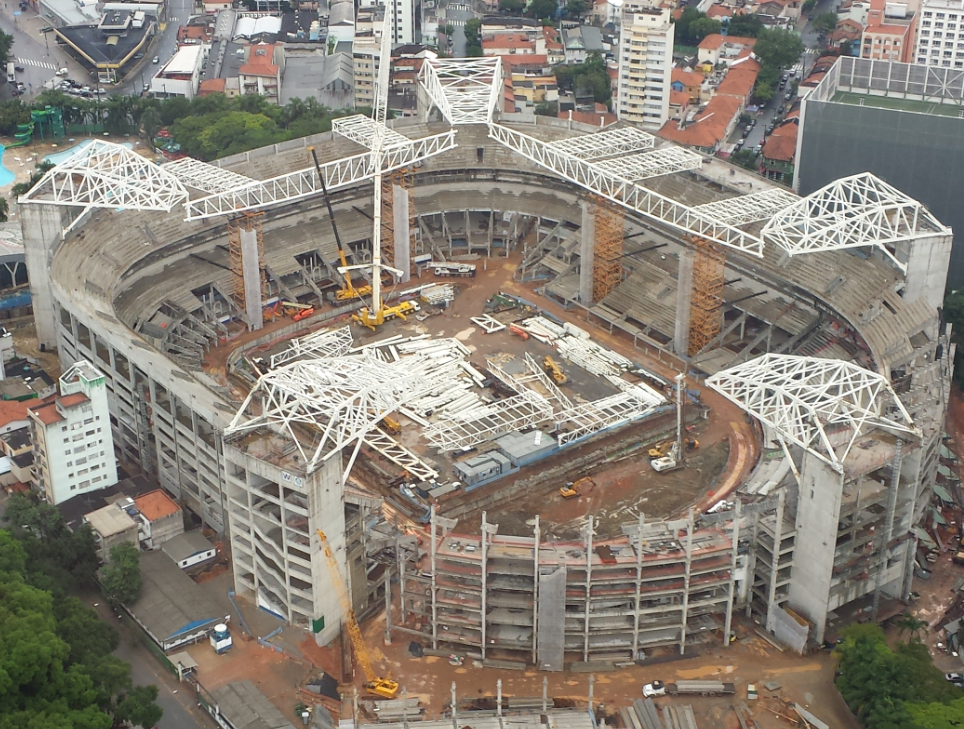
[645, 65]
[940, 37]
[889, 33]
[72, 439]
[403, 18]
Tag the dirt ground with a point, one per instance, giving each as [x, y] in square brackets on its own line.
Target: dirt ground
[25, 344]
[804, 679]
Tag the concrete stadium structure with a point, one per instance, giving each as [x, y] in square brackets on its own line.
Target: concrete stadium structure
[143, 294]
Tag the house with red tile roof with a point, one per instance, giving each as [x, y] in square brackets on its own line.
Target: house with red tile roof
[710, 127]
[715, 47]
[780, 150]
[159, 518]
[740, 79]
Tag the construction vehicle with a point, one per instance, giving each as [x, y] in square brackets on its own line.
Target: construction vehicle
[385, 687]
[691, 444]
[401, 310]
[702, 688]
[673, 459]
[574, 488]
[390, 425]
[554, 370]
[453, 269]
[660, 449]
[304, 313]
[349, 291]
[519, 332]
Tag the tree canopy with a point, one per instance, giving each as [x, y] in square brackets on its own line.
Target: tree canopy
[542, 9]
[6, 45]
[745, 26]
[777, 49]
[57, 670]
[692, 26]
[897, 688]
[121, 577]
[473, 37]
[824, 23]
[513, 7]
[588, 76]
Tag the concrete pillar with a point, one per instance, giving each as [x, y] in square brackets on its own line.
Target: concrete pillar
[927, 261]
[684, 295]
[403, 253]
[42, 227]
[818, 513]
[251, 275]
[587, 241]
[775, 560]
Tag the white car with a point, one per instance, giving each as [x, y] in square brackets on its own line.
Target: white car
[156, 59]
[62, 72]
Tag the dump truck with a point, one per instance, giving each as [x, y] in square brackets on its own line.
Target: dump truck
[702, 688]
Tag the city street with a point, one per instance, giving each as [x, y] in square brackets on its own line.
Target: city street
[456, 14]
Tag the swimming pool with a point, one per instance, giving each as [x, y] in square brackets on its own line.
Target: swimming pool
[6, 176]
[58, 157]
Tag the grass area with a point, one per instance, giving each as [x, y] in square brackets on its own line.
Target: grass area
[883, 102]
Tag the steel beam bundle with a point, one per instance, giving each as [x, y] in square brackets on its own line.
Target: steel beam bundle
[525, 410]
[321, 344]
[634, 402]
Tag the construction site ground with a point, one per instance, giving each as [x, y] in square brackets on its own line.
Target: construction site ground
[626, 486]
[807, 680]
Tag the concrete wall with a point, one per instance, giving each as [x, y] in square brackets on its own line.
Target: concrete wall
[42, 227]
[787, 630]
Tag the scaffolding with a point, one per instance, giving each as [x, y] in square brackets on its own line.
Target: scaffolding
[706, 304]
[245, 222]
[607, 267]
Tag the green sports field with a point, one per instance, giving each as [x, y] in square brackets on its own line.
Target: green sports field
[881, 102]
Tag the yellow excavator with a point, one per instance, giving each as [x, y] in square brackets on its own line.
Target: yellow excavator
[575, 488]
[384, 687]
[349, 291]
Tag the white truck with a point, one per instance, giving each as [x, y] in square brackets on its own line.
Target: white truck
[453, 269]
[11, 72]
[702, 688]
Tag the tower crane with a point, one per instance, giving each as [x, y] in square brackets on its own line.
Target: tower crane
[385, 687]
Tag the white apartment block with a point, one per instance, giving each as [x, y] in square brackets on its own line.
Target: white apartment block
[71, 433]
[940, 34]
[645, 64]
[403, 27]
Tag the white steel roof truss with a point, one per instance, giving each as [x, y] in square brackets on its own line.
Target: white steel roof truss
[611, 143]
[304, 183]
[108, 175]
[399, 455]
[321, 344]
[525, 410]
[202, 176]
[653, 164]
[852, 212]
[800, 396]
[362, 129]
[595, 178]
[465, 90]
[624, 407]
[751, 208]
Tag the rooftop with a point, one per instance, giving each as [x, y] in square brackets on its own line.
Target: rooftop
[110, 520]
[156, 505]
[73, 510]
[105, 51]
[710, 125]
[715, 40]
[12, 411]
[184, 62]
[245, 707]
[186, 545]
[46, 412]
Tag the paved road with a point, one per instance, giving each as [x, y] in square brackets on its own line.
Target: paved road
[180, 707]
[455, 15]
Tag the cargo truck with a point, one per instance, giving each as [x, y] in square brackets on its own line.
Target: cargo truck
[703, 688]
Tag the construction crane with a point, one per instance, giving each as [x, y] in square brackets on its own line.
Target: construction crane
[554, 370]
[384, 687]
[349, 291]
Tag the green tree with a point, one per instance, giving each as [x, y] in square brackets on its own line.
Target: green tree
[449, 30]
[547, 108]
[513, 7]
[576, 9]
[744, 158]
[778, 48]
[824, 23]
[763, 91]
[3, 210]
[121, 577]
[938, 716]
[151, 124]
[744, 26]
[591, 74]
[684, 31]
[703, 27]
[472, 30]
[542, 9]
[911, 626]
[138, 707]
[6, 44]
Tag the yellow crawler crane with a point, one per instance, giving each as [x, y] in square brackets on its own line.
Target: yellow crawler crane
[554, 370]
[385, 687]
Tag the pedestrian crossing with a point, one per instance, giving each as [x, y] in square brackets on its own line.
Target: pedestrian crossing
[455, 23]
[38, 64]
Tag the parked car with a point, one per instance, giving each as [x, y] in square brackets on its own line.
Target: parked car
[746, 132]
[788, 96]
[138, 56]
[757, 149]
[156, 59]
[62, 72]
[954, 677]
[18, 69]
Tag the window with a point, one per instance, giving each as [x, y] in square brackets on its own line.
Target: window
[69, 464]
[63, 428]
[79, 449]
[84, 484]
[88, 421]
[77, 437]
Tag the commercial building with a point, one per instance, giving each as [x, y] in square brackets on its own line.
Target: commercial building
[261, 72]
[645, 65]
[71, 435]
[108, 49]
[182, 74]
[940, 36]
[899, 121]
[889, 34]
[112, 526]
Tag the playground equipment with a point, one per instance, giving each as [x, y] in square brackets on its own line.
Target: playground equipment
[48, 122]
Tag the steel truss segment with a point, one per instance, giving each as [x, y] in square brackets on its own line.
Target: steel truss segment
[207, 178]
[323, 343]
[465, 90]
[362, 130]
[525, 410]
[304, 183]
[805, 398]
[633, 403]
[852, 212]
[399, 455]
[108, 175]
[595, 178]
[653, 164]
[611, 143]
[751, 208]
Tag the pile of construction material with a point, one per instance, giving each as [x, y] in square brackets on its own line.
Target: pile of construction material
[644, 715]
[440, 295]
[576, 345]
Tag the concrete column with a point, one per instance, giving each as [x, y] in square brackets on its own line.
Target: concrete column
[42, 227]
[251, 274]
[535, 592]
[587, 244]
[684, 294]
[927, 261]
[775, 559]
[402, 260]
[818, 513]
[729, 598]
[468, 231]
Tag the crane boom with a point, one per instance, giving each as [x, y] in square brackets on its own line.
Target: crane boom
[382, 686]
